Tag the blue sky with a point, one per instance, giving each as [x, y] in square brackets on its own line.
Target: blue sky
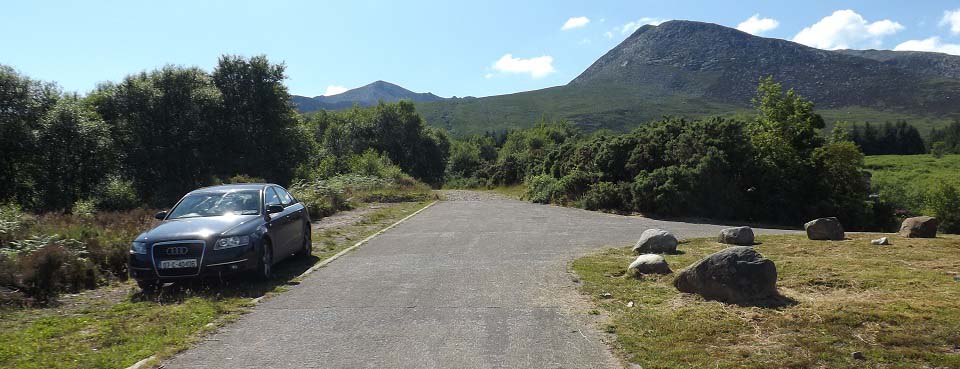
[449, 48]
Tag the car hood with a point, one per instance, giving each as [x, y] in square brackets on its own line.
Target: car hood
[200, 228]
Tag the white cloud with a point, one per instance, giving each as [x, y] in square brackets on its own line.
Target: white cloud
[488, 75]
[585, 41]
[608, 34]
[575, 22]
[930, 44]
[846, 29]
[756, 25]
[952, 18]
[537, 67]
[334, 90]
[630, 27]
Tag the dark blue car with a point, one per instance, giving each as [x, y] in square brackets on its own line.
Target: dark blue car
[221, 230]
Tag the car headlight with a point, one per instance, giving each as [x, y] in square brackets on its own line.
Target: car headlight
[138, 248]
[231, 242]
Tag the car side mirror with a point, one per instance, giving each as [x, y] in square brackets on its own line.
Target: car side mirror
[271, 209]
[160, 215]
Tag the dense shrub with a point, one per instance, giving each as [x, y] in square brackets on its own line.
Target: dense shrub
[117, 194]
[541, 188]
[944, 203]
[606, 196]
[84, 208]
[11, 221]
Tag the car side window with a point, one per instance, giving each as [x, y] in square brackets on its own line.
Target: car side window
[285, 197]
[270, 197]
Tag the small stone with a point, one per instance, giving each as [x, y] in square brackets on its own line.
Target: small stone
[857, 355]
[881, 241]
[649, 264]
[741, 236]
[824, 229]
[606, 295]
[630, 304]
[656, 241]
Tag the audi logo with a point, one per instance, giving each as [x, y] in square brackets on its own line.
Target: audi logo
[177, 250]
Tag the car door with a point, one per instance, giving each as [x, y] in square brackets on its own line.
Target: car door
[279, 225]
[296, 212]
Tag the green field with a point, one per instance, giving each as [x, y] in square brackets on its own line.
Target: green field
[906, 179]
[897, 305]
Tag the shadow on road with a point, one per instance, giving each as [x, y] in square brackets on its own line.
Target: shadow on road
[245, 285]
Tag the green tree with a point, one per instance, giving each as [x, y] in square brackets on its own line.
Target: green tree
[257, 131]
[784, 134]
[164, 121]
[23, 102]
[78, 154]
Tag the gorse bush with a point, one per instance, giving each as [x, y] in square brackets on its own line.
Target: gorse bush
[541, 188]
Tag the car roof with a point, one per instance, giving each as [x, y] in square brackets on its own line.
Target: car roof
[233, 187]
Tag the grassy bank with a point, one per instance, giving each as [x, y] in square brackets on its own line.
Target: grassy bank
[896, 304]
[115, 326]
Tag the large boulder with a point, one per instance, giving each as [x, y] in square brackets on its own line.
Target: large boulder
[656, 241]
[649, 264]
[919, 227]
[742, 236]
[737, 274]
[824, 229]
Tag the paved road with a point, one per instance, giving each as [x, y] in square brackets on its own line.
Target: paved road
[464, 284]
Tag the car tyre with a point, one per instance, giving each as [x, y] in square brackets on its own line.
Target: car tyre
[265, 262]
[306, 250]
[148, 287]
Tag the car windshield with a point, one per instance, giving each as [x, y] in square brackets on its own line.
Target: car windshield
[211, 204]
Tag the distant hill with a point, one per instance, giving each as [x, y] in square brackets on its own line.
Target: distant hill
[368, 95]
[693, 69]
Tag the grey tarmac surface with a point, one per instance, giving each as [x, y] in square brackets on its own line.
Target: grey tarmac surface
[464, 284]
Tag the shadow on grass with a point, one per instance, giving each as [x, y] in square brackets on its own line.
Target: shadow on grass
[777, 301]
[242, 285]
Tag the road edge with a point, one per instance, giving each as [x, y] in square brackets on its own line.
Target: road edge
[358, 244]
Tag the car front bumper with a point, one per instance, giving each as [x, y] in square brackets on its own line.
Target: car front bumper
[210, 262]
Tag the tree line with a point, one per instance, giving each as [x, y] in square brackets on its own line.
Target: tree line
[776, 167]
[155, 135]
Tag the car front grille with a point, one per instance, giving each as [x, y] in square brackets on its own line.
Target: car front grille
[178, 250]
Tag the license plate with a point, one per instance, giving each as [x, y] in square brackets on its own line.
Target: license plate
[181, 263]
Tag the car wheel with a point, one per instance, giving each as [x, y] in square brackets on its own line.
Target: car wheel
[306, 250]
[148, 287]
[265, 264]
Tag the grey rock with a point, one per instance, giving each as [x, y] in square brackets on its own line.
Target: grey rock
[649, 264]
[656, 241]
[735, 274]
[881, 241]
[824, 229]
[919, 227]
[742, 236]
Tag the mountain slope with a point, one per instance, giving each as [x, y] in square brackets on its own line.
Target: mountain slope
[368, 95]
[694, 69]
[926, 63]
